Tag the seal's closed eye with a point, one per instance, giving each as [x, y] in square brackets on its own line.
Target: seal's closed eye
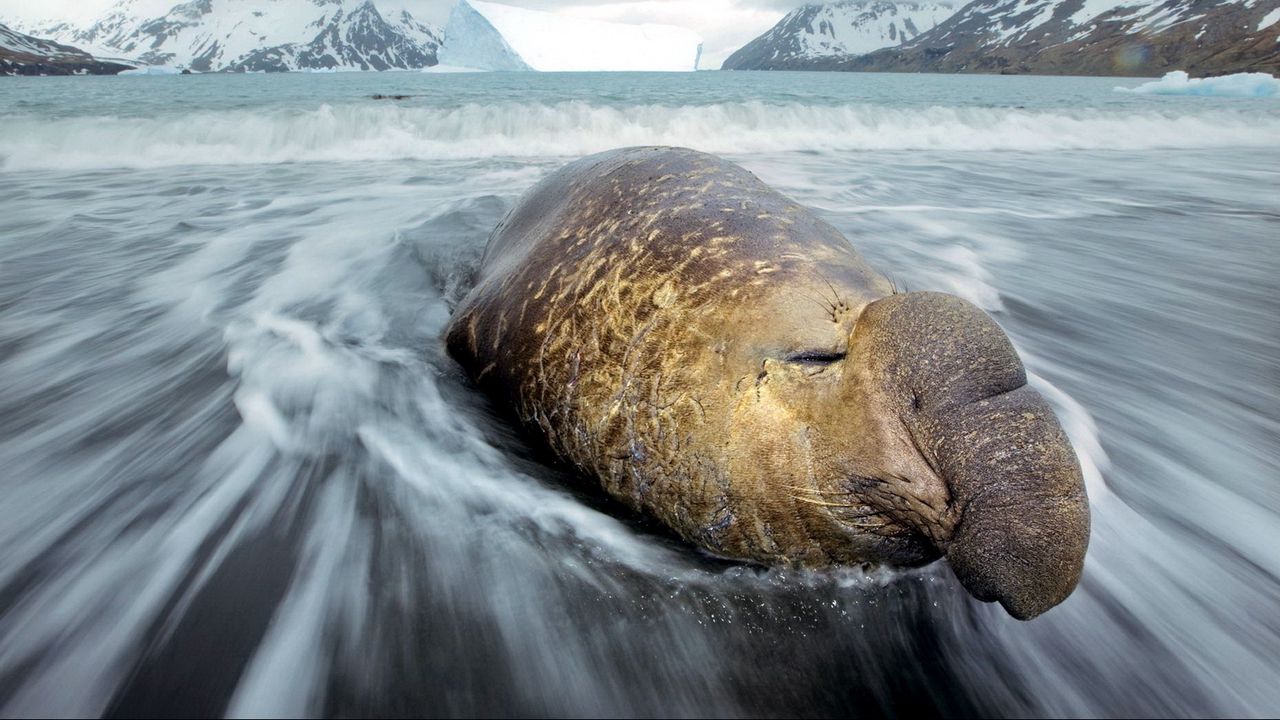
[815, 357]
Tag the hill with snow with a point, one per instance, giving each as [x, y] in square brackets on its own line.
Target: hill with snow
[259, 35]
[814, 33]
[22, 54]
[493, 36]
[1084, 37]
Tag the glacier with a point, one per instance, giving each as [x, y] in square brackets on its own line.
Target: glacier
[492, 36]
[1237, 85]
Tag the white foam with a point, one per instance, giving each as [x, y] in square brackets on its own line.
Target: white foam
[1237, 85]
[380, 131]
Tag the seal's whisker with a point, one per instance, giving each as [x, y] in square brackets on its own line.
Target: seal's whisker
[823, 303]
[877, 513]
[823, 503]
[893, 283]
[813, 491]
[835, 294]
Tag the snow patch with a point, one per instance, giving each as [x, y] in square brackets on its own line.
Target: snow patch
[1269, 19]
[1044, 13]
[1238, 85]
[858, 28]
[1161, 18]
[1093, 8]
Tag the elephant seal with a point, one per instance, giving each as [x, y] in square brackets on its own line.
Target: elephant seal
[723, 360]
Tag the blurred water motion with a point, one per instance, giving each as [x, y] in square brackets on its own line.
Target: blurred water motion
[241, 478]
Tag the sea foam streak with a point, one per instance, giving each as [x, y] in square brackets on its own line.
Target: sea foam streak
[386, 132]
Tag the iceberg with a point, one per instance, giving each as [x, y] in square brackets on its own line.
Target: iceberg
[1237, 85]
[151, 70]
[493, 36]
[450, 69]
[470, 40]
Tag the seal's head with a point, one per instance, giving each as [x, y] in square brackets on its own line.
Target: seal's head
[903, 429]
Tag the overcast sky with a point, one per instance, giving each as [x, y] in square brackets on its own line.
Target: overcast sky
[725, 25]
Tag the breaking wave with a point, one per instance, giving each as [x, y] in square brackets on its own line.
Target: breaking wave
[390, 132]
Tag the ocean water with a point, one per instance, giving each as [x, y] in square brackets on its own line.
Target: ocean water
[240, 476]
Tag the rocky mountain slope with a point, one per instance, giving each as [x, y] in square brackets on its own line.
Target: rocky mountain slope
[814, 33]
[1085, 37]
[22, 54]
[261, 35]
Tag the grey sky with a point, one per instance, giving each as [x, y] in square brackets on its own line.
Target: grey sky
[725, 25]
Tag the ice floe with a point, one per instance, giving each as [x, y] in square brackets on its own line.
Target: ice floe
[1237, 85]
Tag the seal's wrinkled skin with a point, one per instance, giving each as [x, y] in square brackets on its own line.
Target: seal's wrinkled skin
[723, 360]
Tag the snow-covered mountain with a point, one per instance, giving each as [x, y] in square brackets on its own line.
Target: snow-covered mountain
[253, 35]
[492, 36]
[1085, 37]
[280, 35]
[361, 38]
[22, 54]
[819, 32]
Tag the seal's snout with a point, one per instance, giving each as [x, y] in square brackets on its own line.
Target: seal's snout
[1015, 483]
[1024, 517]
